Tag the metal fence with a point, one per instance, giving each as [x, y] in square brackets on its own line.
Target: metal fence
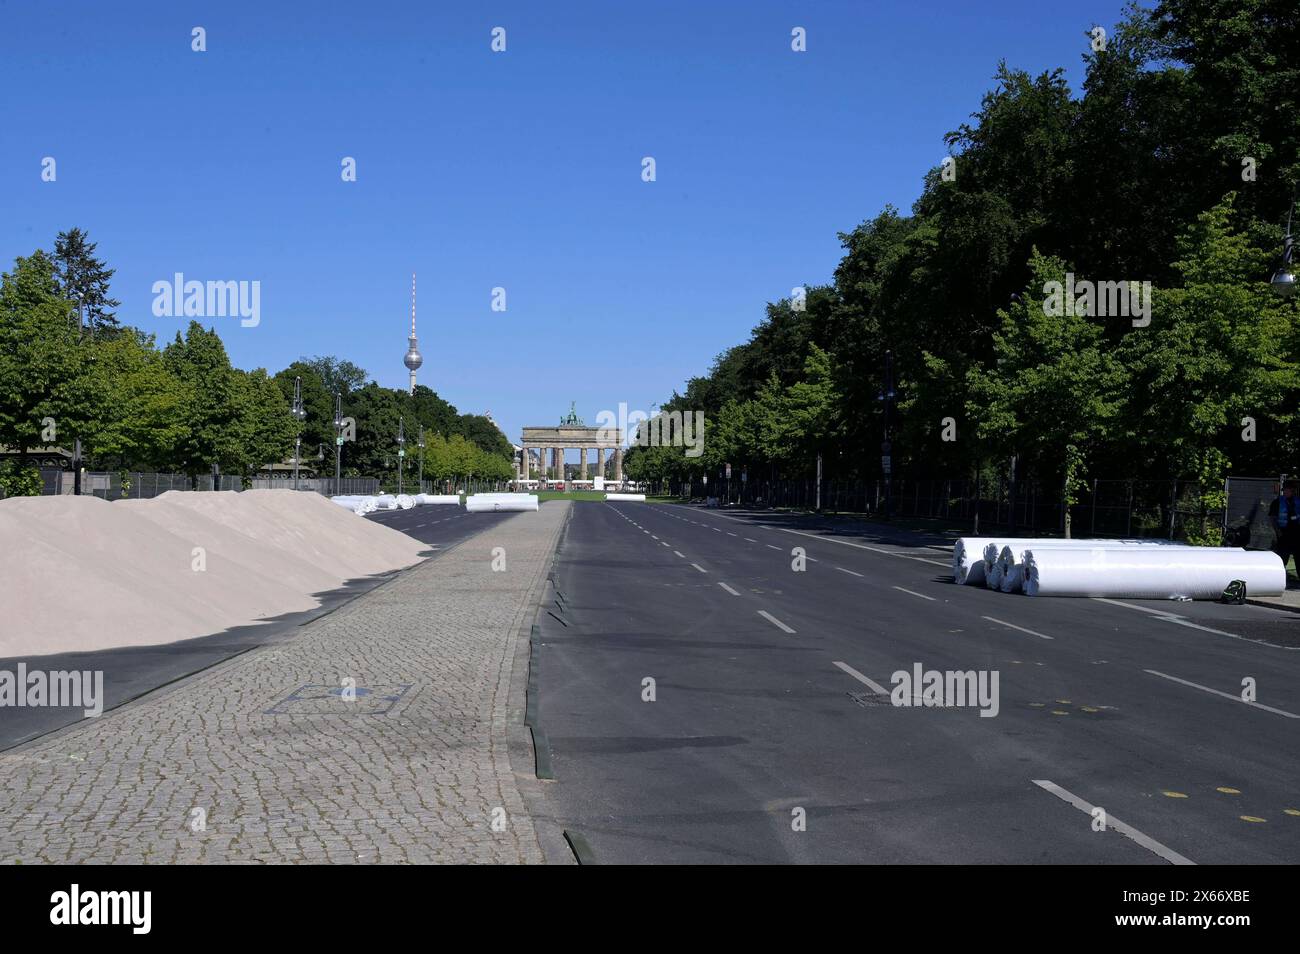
[322, 485]
[1106, 508]
[113, 485]
[116, 485]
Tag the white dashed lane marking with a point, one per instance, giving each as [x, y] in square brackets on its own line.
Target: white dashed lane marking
[876, 687]
[728, 589]
[1146, 841]
[775, 622]
[1225, 695]
[1002, 622]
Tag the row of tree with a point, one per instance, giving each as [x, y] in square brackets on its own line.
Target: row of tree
[183, 408]
[1176, 166]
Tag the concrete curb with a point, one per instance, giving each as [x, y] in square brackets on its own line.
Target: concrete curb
[528, 750]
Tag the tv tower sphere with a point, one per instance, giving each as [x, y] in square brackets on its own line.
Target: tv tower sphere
[413, 360]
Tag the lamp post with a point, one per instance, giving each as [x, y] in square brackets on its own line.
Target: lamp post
[420, 444]
[886, 396]
[76, 441]
[1283, 280]
[299, 415]
[401, 451]
[338, 440]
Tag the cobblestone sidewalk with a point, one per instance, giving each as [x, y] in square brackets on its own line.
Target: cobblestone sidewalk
[262, 759]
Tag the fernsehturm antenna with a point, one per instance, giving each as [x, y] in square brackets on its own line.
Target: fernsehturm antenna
[413, 359]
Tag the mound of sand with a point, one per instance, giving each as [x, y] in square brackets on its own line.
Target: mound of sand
[84, 574]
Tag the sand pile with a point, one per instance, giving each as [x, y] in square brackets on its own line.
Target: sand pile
[82, 574]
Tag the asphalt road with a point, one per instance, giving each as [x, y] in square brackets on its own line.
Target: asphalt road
[133, 671]
[439, 525]
[766, 706]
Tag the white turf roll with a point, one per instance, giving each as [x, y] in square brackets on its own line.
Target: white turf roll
[1199, 573]
[423, 499]
[968, 563]
[484, 503]
[1015, 555]
[640, 497]
[969, 552]
[1013, 576]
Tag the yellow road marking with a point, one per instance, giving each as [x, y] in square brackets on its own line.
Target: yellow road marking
[1174, 794]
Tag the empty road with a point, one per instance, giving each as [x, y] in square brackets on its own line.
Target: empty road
[767, 733]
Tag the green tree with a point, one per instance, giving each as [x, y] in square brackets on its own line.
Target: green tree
[146, 406]
[83, 277]
[47, 379]
[211, 415]
[1055, 390]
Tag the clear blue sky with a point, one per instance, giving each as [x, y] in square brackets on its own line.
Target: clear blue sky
[520, 169]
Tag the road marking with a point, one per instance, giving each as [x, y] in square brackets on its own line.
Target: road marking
[875, 687]
[850, 572]
[1128, 831]
[1169, 617]
[653, 537]
[772, 547]
[680, 554]
[1226, 695]
[859, 546]
[775, 622]
[730, 534]
[663, 543]
[749, 540]
[914, 593]
[727, 588]
[1002, 622]
[700, 568]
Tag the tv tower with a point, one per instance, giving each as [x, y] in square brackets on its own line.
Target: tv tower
[413, 359]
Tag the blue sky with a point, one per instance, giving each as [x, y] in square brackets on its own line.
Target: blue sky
[477, 169]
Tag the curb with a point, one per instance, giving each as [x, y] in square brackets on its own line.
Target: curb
[1275, 606]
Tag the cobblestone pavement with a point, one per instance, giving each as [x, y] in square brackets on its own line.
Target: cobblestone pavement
[284, 768]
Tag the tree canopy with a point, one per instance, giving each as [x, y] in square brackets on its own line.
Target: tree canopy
[1175, 164]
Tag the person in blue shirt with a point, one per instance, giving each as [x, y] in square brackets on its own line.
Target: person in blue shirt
[1285, 515]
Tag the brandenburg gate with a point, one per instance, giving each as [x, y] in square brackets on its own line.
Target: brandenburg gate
[571, 432]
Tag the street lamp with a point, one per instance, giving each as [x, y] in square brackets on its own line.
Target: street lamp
[76, 441]
[338, 440]
[401, 451]
[1283, 280]
[886, 396]
[420, 445]
[299, 415]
